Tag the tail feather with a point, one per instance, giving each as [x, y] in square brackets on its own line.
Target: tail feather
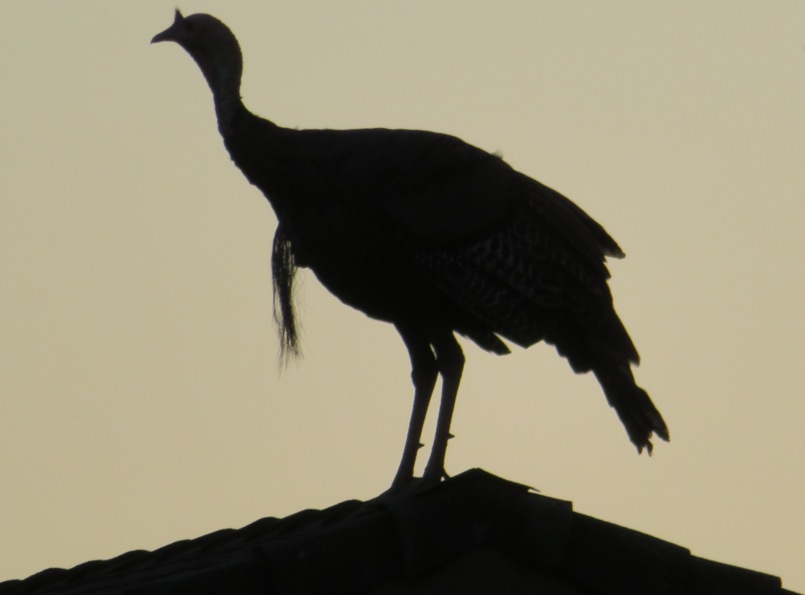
[634, 407]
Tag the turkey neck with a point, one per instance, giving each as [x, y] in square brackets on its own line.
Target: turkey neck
[228, 106]
[257, 146]
[253, 143]
[223, 70]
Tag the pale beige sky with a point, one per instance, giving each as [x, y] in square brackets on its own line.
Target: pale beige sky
[141, 401]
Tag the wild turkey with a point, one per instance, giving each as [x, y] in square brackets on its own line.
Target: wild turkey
[433, 235]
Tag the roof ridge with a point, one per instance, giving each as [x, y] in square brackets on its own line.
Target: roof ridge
[410, 533]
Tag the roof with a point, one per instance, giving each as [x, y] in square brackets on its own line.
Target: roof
[474, 533]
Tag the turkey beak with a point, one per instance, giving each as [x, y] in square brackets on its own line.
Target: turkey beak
[171, 33]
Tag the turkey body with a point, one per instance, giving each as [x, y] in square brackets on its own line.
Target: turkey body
[350, 219]
[431, 234]
[378, 216]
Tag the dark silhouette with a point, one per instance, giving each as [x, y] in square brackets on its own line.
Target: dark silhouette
[433, 235]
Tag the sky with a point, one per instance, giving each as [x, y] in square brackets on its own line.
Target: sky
[142, 402]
